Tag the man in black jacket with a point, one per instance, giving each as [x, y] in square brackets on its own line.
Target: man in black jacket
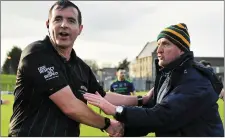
[184, 102]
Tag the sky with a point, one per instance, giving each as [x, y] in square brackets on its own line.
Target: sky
[115, 30]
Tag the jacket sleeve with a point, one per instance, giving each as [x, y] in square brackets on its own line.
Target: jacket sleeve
[178, 108]
[134, 132]
[137, 132]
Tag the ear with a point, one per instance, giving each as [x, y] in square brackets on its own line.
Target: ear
[182, 52]
[47, 23]
[80, 28]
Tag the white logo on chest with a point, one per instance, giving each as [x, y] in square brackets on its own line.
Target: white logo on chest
[50, 72]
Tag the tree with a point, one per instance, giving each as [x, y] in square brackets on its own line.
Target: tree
[11, 63]
[92, 64]
[106, 65]
[124, 64]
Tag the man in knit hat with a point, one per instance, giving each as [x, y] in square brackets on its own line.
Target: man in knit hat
[184, 102]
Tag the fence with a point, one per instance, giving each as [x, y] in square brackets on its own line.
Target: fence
[142, 84]
[7, 88]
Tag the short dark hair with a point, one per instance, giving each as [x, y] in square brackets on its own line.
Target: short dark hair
[120, 68]
[205, 63]
[65, 4]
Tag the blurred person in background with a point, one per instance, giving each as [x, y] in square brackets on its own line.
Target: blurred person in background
[122, 85]
[209, 66]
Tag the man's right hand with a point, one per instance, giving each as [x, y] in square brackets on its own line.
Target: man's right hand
[222, 94]
[116, 129]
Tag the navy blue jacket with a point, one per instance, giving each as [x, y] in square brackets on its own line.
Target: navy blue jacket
[188, 106]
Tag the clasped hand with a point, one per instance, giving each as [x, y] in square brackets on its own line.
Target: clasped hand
[116, 129]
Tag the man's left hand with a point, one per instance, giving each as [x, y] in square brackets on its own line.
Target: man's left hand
[148, 96]
[99, 101]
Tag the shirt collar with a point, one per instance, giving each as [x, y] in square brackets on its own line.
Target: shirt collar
[73, 56]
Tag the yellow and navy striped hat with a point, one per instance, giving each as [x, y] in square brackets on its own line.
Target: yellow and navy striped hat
[178, 35]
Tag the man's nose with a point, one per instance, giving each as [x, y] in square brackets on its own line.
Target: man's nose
[159, 49]
[64, 24]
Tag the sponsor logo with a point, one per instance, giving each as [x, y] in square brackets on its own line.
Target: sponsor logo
[48, 72]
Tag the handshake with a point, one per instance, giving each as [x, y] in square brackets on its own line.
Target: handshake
[116, 129]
